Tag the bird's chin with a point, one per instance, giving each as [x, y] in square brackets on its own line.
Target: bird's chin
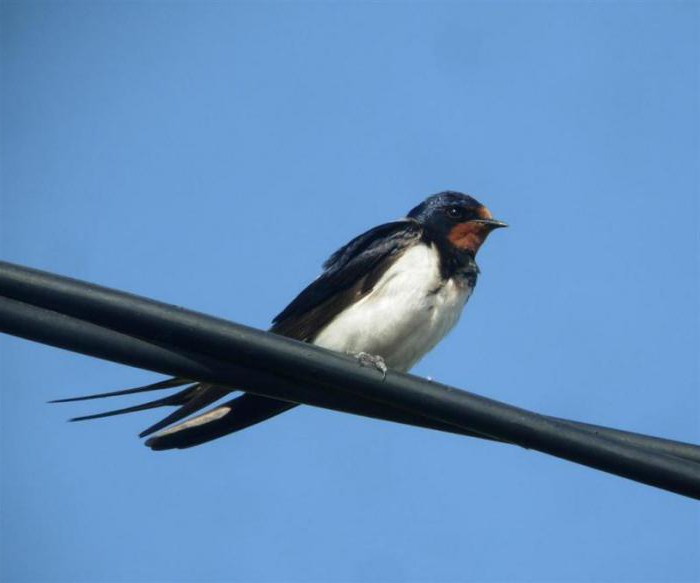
[470, 236]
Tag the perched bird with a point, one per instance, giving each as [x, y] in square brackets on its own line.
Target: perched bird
[389, 296]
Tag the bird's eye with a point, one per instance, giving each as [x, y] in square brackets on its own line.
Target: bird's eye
[455, 212]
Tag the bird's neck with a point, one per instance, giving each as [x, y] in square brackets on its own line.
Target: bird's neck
[454, 262]
[459, 265]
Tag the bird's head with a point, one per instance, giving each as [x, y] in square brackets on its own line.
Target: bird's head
[455, 219]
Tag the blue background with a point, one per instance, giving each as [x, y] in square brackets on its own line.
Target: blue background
[213, 155]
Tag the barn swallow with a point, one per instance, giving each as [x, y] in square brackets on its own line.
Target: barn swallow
[389, 296]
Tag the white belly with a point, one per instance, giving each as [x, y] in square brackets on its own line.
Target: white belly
[406, 314]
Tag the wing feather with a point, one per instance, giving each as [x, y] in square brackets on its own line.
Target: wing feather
[349, 274]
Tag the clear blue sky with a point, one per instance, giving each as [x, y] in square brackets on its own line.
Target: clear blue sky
[213, 155]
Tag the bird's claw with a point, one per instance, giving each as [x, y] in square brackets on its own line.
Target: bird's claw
[377, 362]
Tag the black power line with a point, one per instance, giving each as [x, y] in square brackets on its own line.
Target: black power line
[132, 330]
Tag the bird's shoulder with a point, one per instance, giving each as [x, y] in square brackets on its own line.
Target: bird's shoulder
[349, 274]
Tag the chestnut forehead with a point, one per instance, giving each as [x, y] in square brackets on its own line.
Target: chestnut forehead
[483, 213]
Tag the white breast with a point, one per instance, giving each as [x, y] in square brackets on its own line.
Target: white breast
[408, 312]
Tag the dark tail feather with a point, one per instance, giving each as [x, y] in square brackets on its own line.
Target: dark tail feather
[167, 384]
[207, 395]
[230, 417]
[181, 398]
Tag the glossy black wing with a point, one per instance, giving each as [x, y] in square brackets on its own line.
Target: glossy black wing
[350, 273]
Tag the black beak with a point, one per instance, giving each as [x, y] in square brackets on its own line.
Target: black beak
[493, 223]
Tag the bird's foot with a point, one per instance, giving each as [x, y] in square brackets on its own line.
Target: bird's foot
[377, 362]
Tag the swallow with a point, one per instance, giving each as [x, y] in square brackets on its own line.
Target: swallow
[388, 297]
